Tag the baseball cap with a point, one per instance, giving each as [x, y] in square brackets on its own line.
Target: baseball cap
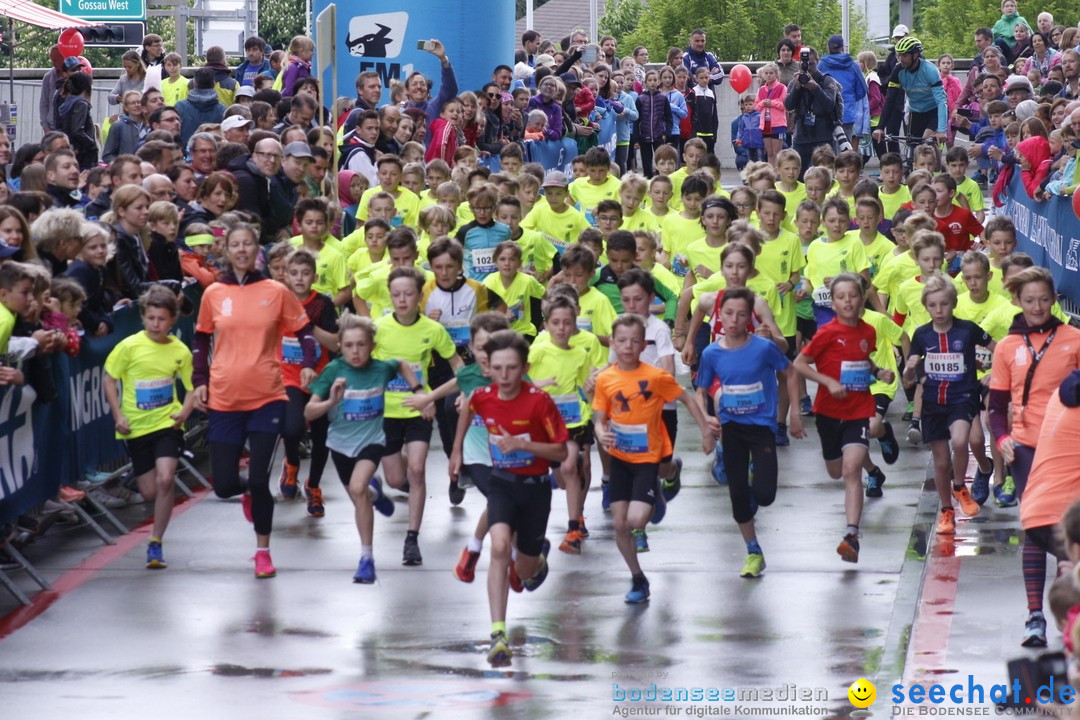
[245, 91]
[900, 31]
[298, 149]
[71, 63]
[544, 60]
[1018, 82]
[555, 178]
[570, 78]
[234, 121]
[836, 42]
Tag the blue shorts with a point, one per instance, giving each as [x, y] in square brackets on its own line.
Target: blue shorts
[233, 426]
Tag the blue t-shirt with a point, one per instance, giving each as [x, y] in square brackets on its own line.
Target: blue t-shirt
[742, 382]
[949, 361]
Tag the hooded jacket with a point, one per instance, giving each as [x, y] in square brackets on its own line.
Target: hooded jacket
[200, 106]
[253, 188]
[842, 68]
[654, 116]
[1036, 149]
[74, 120]
[554, 113]
[123, 138]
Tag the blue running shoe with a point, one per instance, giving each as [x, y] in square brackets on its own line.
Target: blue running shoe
[806, 405]
[980, 486]
[531, 584]
[659, 511]
[641, 540]
[782, 439]
[383, 504]
[365, 573]
[890, 449]
[154, 558]
[874, 481]
[639, 592]
[605, 494]
[718, 472]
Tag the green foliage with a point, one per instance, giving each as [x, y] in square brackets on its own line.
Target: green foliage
[622, 20]
[521, 7]
[740, 29]
[280, 21]
[947, 26]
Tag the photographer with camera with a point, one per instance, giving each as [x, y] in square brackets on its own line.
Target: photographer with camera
[818, 105]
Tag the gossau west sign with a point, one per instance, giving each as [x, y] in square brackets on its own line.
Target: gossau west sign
[105, 9]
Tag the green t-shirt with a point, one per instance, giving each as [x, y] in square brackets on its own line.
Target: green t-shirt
[147, 371]
[357, 421]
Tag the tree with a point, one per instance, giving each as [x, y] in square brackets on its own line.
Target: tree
[281, 21]
[621, 20]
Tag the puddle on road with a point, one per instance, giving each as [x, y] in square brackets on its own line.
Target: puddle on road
[228, 670]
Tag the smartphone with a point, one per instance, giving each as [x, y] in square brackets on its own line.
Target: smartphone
[426, 45]
[590, 54]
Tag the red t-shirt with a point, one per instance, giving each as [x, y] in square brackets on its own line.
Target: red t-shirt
[843, 352]
[958, 227]
[320, 310]
[532, 414]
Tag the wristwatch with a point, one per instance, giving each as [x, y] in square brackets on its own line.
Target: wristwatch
[417, 388]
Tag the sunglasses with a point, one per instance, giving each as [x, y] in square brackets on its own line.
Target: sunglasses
[494, 96]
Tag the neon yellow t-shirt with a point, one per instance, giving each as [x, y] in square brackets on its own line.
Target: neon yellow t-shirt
[641, 220]
[331, 274]
[147, 371]
[174, 91]
[971, 190]
[7, 326]
[888, 336]
[597, 313]
[780, 258]
[587, 196]
[562, 229]
[570, 369]
[518, 299]
[677, 233]
[877, 252]
[891, 203]
[537, 252]
[909, 303]
[594, 349]
[699, 252]
[406, 206]
[415, 345]
[826, 259]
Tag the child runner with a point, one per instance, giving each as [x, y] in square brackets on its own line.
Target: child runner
[844, 371]
[597, 313]
[555, 218]
[518, 292]
[148, 416]
[739, 372]
[628, 402]
[525, 435]
[351, 389]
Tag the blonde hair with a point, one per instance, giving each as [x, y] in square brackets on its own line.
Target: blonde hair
[936, 284]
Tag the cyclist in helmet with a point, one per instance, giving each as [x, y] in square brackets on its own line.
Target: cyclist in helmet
[921, 81]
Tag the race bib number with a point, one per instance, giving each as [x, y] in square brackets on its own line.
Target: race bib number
[584, 323]
[680, 265]
[515, 459]
[364, 404]
[569, 407]
[742, 399]
[517, 312]
[822, 296]
[631, 439]
[944, 367]
[459, 331]
[398, 384]
[483, 261]
[292, 353]
[154, 394]
[984, 358]
[855, 375]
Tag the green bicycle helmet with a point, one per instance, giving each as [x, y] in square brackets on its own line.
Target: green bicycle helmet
[908, 44]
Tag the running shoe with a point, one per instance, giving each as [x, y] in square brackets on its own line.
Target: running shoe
[753, 567]
[890, 449]
[719, 474]
[264, 566]
[671, 487]
[365, 572]
[1005, 494]
[98, 494]
[946, 524]
[641, 541]
[874, 481]
[909, 413]
[154, 558]
[659, 510]
[848, 549]
[315, 506]
[383, 504]
[914, 432]
[288, 484]
[605, 495]
[533, 583]
[245, 504]
[806, 405]
[499, 655]
[782, 439]
[967, 504]
[639, 592]
[465, 570]
[515, 581]
[72, 495]
[571, 544]
[457, 493]
[980, 486]
[1035, 630]
[411, 555]
[581, 526]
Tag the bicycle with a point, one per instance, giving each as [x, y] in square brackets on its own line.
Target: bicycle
[907, 144]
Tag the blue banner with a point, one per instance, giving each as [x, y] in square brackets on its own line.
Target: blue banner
[383, 37]
[1050, 233]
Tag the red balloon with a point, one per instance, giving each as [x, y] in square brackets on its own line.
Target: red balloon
[1076, 202]
[86, 66]
[70, 43]
[740, 78]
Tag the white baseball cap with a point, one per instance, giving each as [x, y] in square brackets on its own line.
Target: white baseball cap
[900, 31]
[234, 121]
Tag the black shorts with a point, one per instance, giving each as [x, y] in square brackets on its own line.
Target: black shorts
[937, 419]
[146, 449]
[882, 402]
[805, 327]
[402, 431]
[345, 465]
[480, 476]
[838, 434]
[522, 504]
[232, 426]
[633, 481]
[583, 435]
[791, 348]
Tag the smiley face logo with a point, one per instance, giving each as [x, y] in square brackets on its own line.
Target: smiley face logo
[862, 693]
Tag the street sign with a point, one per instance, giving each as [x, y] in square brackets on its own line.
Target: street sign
[105, 9]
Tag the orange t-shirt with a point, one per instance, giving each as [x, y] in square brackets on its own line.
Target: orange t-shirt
[633, 401]
[1011, 362]
[248, 322]
[1055, 475]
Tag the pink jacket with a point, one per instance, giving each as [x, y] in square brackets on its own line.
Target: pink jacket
[773, 100]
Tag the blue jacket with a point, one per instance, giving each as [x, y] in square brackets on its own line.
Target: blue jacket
[692, 61]
[678, 111]
[625, 123]
[746, 127]
[245, 72]
[200, 106]
[654, 116]
[843, 70]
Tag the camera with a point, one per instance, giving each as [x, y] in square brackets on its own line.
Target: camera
[1048, 669]
[804, 76]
